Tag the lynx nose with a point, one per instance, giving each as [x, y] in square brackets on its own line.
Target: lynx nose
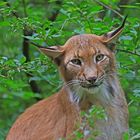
[92, 80]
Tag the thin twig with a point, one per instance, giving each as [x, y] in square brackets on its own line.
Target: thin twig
[129, 52]
[107, 7]
[55, 14]
[14, 13]
[24, 7]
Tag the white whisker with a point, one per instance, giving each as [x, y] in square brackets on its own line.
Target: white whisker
[70, 83]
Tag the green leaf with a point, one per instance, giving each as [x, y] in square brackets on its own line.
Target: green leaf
[4, 23]
[3, 3]
[126, 136]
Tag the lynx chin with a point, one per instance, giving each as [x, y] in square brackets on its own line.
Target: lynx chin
[87, 66]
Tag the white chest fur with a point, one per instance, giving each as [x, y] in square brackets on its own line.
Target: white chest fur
[107, 96]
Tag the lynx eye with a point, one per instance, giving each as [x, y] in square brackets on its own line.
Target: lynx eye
[76, 62]
[99, 57]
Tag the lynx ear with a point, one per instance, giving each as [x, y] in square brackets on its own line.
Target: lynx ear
[52, 52]
[110, 37]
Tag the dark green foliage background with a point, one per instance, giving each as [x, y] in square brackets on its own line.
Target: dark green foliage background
[53, 22]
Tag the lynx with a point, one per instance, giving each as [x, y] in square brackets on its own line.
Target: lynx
[86, 63]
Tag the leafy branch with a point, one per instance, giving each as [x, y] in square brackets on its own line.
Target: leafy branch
[25, 46]
[108, 7]
[128, 52]
[29, 32]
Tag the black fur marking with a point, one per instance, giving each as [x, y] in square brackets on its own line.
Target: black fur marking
[111, 46]
[57, 61]
[110, 89]
[118, 29]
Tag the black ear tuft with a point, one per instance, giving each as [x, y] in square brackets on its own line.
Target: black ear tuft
[121, 27]
[111, 36]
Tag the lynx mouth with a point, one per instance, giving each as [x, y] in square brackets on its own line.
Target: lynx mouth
[90, 85]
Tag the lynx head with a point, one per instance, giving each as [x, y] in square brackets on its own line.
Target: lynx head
[86, 60]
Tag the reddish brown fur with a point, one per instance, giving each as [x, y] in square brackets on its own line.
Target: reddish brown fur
[57, 116]
[49, 119]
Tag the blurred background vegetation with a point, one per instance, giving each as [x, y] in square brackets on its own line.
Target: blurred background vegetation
[26, 76]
